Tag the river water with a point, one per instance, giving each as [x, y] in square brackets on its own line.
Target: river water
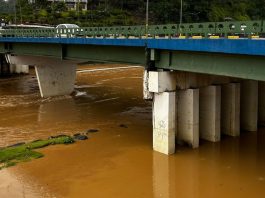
[118, 161]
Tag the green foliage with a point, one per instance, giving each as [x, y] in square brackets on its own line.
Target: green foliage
[10, 156]
[131, 12]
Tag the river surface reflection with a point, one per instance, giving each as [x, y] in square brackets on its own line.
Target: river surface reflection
[116, 161]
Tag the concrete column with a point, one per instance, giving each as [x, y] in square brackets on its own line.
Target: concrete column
[230, 109]
[188, 117]
[210, 113]
[164, 122]
[19, 69]
[262, 103]
[249, 105]
[56, 80]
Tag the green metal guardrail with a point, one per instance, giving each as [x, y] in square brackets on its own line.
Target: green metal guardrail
[244, 29]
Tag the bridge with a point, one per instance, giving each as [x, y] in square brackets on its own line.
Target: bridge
[205, 79]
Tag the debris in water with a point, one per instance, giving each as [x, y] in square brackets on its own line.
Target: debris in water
[123, 126]
[92, 130]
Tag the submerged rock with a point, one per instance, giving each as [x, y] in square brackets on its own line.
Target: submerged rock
[92, 130]
[123, 126]
[58, 136]
[79, 136]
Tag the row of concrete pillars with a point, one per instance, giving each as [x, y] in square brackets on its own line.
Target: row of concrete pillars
[184, 116]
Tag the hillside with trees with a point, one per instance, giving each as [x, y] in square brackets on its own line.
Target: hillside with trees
[131, 12]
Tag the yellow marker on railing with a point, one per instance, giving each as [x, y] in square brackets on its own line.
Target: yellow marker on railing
[254, 37]
[214, 37]
[233, 37]
[196, 37]
[182, 37]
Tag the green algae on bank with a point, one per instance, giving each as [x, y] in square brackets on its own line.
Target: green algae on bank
[10, 156]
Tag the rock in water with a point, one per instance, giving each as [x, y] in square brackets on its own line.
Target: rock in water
[78, 136]
[92, 130]
[123, 126]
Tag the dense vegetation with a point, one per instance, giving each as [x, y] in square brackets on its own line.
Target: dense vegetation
[129, 12]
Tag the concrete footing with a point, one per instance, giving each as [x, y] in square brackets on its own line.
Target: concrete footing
[249, 105]
[188, 117]
[210, 113]
[164, 122]
[261, 115]
[230, 109]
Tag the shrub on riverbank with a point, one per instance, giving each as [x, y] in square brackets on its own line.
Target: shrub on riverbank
[12, 155]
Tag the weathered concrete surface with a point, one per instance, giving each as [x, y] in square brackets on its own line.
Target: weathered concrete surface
[56, 80]
[146, 93]
[230, 109]
[210, 113]
[160, 81]
[164, 122]
[249, 105]
[188, 117]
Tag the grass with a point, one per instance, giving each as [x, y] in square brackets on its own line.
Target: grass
[10, 156]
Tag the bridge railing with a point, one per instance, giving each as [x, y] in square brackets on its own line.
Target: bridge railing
[244, 29]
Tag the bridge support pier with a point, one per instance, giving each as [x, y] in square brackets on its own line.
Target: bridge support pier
[55, 76]
[230, 109]
[249, 105]
[56, 80]
[262, 103]
[188, 117]
[210, 113]
[162, 84]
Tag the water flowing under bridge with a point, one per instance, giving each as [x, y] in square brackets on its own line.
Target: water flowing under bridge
[204, 79]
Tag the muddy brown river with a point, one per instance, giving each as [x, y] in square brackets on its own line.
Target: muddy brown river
[116, 162]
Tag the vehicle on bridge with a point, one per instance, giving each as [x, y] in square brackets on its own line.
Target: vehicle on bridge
[68, 30]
